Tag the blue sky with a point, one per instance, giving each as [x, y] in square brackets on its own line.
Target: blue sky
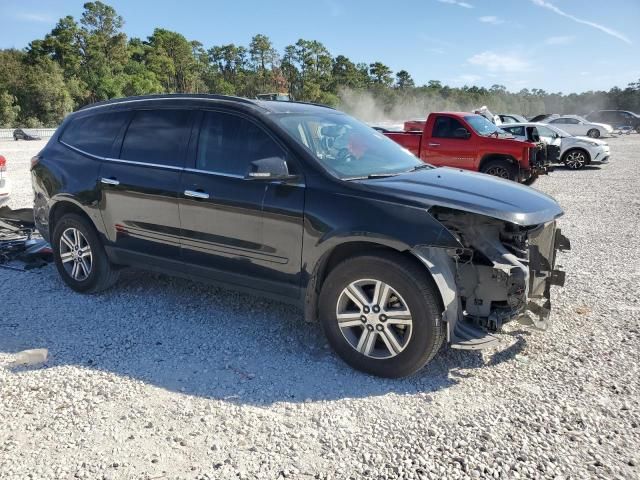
[557, 45]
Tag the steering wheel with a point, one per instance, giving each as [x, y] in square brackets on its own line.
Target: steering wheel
[344, 155]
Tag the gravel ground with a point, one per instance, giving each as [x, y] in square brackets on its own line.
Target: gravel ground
[164, 378]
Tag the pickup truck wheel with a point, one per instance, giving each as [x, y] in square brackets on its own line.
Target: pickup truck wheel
[80, 257]
[575, 159]
[500, 168]
[593, 133]
[531, 180]
[381, 314]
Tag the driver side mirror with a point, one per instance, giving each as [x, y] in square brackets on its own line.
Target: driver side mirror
[269, 168]
[461, 133]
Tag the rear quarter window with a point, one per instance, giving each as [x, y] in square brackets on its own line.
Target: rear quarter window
[94, 134]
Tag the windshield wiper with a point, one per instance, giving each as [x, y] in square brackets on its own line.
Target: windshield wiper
[372, 176]
[420, 167]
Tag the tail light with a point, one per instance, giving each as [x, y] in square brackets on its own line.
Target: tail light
[35, 160]
[3, 165]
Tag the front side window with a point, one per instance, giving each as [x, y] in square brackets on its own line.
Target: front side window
[94, 134]
[345, 147]
[444, 127]
[157, 136]
[229, 143]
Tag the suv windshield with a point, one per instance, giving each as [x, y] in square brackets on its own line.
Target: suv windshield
[347, 148]
[482, 126]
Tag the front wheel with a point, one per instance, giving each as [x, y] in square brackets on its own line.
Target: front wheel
[531, 180]
[593, 133]
[80, 257]
[500, 168]
[575, 159]
[381, 314]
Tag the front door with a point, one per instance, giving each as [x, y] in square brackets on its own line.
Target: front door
[223, 212]
[140, 186]
[444, 148]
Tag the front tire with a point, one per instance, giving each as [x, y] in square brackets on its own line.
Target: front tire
[575, 159]
[500, 168]
[593, 133]
[381, 314]
[80, 257]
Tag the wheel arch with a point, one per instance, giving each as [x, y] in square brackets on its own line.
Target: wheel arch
[64, 207]
[341, 252]
[497, 156]
[572, 149]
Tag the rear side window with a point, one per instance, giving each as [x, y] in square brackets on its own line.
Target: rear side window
[157, 136]
[445, 126]
[94, 134]
[229, 143]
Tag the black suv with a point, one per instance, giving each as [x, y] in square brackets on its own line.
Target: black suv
[305, 204]
[616, 118]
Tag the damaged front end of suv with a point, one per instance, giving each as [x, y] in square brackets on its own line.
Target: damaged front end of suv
[502, 271]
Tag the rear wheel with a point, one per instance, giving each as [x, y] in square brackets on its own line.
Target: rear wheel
[593, 133]
[381, 314]
[575, 159]
[500, 168]
[80, 257]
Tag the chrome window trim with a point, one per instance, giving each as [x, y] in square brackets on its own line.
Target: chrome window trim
[209, 172]
[144, 164]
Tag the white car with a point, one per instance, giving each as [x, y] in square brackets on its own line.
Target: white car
[576, 125]
[574, 152]
[4, 181]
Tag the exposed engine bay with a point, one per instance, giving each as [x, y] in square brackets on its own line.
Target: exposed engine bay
[503, 272]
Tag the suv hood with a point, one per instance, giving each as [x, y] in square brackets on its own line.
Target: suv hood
[471, 192]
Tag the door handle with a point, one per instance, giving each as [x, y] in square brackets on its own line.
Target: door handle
[196, 194]
[109, 181]
[434, 144]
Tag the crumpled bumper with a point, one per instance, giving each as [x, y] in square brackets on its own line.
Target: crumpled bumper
[544, 243]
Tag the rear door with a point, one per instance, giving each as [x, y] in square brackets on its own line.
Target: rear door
[570, 125]
[443, 148]
[246, 230]
[139, 200]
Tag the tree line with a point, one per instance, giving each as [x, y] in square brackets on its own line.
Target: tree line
[81, 62]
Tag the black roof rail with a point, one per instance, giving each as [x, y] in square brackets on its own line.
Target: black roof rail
[204, 96]
[298, 102]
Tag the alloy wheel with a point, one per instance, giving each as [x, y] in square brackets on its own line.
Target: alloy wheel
[575, 160]
[498, 171]
[75, 254]
[374, 319]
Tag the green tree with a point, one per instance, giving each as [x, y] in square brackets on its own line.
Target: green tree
[404, 80]
[9, 110]
[380, 74]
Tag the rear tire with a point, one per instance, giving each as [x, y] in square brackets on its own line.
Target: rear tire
[593, 133]
[396, 328]
[500, 168]
[80, 256]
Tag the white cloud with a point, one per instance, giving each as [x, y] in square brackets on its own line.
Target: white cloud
[602, 28]
[493, 20]
[559, 40]
[34, 17]
[499, 62]
[457, 2]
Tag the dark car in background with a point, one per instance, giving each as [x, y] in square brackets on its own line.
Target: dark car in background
[616, 118]
[20, 134]
[304, 204]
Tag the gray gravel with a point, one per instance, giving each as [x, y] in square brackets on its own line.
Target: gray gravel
[164, 378]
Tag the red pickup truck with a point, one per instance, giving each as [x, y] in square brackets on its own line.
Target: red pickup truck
[470, 141]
